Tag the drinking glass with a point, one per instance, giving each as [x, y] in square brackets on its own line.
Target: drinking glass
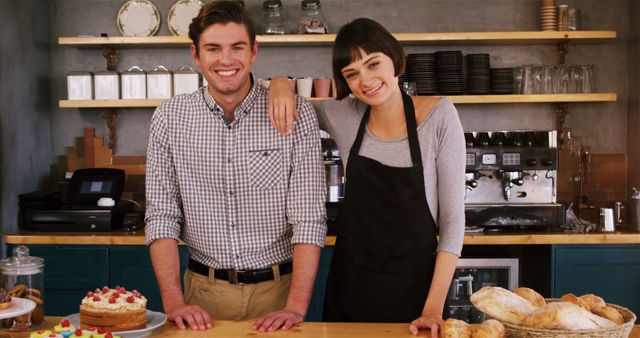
[518, 79]
[588, 83]
[547, 75]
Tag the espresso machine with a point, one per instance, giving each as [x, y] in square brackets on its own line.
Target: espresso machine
[511, 180]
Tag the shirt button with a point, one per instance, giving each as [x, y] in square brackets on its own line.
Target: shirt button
[228, 127]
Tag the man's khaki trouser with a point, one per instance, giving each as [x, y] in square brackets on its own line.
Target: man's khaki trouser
[226, 301]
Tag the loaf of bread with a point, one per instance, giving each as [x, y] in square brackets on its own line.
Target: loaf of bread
[610, 313]
[502, 304]
[593, 301]
[454, 328]
[531, 295]
[571, 298]
[565, 315]
[490, 328]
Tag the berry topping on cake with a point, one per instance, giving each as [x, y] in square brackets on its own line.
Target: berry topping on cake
[78, 332]
[65, 323]
[108, 335]
[96, 298]
[90, 294]
[112, 300]
[102, 330]
[130, 299]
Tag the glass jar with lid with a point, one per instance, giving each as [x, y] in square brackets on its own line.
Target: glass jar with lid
[273, 18]
[22, 276]
[312, 19]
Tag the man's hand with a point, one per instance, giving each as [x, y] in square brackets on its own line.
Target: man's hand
[282, 105]
[283, 319]
[193, 315]
[427, 321]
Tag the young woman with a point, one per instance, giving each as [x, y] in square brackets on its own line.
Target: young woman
[405, 161]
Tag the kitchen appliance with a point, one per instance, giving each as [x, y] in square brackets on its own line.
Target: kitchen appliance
[334, 178]
[93, 204]
[471, 275]
[511, 179]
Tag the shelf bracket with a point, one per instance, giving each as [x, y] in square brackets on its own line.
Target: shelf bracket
[110, 116]
[561, 110]
[561, 52]
[111, 56]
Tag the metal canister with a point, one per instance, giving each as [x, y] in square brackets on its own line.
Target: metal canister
[563, 17]
[607, 222]
[574, 23]
[334, 174]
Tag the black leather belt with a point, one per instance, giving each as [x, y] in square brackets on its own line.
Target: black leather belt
[240, 277]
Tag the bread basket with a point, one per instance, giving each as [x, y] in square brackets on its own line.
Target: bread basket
[618, 331]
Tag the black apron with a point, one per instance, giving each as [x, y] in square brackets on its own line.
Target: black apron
[384, 255]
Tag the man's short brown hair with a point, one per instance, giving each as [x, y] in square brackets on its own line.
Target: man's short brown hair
[369, 36]
[220, 12]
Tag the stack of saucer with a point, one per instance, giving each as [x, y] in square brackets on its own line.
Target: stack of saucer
[548, 15]
[421, 69]
[502, 80]
[478, 74]
[449, 72]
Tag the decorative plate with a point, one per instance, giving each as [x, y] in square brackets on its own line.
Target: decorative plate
[154, 320]
[138, 18]
[181, 14]
[19, 306]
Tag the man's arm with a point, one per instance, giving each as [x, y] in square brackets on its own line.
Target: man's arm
[305, 266]
[165, 259]
[307, 216]
[163, 220]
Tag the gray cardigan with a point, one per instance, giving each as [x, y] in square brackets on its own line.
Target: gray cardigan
[443, 155]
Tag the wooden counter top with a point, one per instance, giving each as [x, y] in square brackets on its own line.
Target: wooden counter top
[497, 238]
[229, 329]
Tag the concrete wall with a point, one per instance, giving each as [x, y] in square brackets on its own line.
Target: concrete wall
[603, 125]
[633, 118]
[25, 138]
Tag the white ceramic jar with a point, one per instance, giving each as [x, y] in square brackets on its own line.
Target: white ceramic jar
[134, 83]
[159, 83]
[107, 85]
[79, 86]
[186, 80]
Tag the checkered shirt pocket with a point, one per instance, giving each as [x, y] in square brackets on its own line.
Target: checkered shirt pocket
[266, 168]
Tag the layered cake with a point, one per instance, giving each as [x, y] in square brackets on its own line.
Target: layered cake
[114, 309]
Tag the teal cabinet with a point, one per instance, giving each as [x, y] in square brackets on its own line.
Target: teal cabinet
[609, 271]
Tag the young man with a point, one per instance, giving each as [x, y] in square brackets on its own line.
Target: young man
[247, 202]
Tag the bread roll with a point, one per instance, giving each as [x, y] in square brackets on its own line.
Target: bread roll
[593, 301]
[571, 298]
[531, 295]
[565, 315]
[454, 328]
[610, 313]
[491, 328]
[502, 304]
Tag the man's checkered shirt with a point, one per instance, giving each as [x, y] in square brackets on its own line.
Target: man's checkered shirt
[239, 194]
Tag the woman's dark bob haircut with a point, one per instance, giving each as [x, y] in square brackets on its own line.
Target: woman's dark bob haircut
[369, 36]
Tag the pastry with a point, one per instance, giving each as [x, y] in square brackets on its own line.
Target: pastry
[40, 334]
[454, 328]
[80, 334]
[502, 304]
[114, 309]
[531, 295]
[490, 328]
[565, 315]
[610, 313]
[593, 301]
[571, 298]
[64, 325]
[5, 299]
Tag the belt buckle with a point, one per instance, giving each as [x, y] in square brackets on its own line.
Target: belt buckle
[233, 277]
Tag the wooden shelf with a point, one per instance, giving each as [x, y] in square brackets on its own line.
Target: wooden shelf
[532, 37]
[457, 99]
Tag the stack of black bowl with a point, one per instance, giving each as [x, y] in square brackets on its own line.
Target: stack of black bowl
[449, 72]
[502, 80]
[478, 74]
[421, 70]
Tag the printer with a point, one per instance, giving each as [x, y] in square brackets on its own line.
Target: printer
[93, 203]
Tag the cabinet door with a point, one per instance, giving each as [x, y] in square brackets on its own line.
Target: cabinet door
[609, 271]
[130, 267]
[314, 313]
[70, 271]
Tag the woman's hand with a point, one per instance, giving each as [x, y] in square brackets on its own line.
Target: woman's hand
[427, 321]
[282, 105]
